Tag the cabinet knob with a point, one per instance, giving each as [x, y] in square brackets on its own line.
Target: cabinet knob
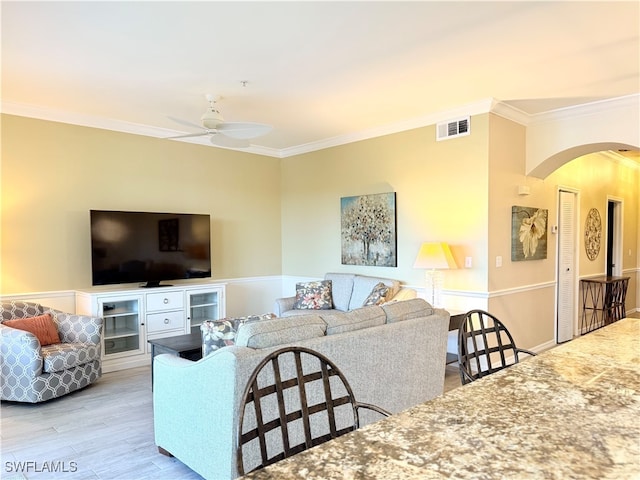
[166, 321]
[166, 300]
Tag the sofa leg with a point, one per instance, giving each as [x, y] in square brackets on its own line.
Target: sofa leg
[164, 452]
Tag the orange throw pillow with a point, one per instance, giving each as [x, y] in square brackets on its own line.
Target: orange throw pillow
[41, 326]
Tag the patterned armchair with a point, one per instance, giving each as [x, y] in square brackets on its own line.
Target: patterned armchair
[31, 372]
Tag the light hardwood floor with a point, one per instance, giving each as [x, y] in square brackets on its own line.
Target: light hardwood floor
[104, 431]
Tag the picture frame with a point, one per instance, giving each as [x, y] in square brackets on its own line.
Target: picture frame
[528, 233]
[368, 230]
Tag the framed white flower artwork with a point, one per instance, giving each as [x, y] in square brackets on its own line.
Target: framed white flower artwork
[528, 233]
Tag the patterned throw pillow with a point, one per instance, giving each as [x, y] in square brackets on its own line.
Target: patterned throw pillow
[377, 296]
[42, 326]
[313, 296]
[220, 333]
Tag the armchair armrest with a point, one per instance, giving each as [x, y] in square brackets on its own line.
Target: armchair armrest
[284, 304]
[90, 327]
[22, 344]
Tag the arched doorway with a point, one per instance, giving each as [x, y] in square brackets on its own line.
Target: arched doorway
[570, 241]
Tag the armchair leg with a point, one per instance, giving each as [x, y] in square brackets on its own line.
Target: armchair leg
[164, 452]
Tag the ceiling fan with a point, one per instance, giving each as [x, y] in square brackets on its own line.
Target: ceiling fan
[221, 133]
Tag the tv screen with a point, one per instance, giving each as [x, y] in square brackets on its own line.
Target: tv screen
[134, 247]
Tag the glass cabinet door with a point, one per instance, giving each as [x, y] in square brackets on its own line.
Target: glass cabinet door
[203, 305]
[122, 326]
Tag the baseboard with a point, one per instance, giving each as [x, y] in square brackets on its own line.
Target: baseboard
[117, 364]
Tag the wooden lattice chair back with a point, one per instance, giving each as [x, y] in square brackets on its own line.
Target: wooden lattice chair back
[485, 346]
[295, 399]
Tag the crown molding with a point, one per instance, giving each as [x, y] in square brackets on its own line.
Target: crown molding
[621, 159]
[74, 118]
[489, 105]
[586, 109]
[476, 108]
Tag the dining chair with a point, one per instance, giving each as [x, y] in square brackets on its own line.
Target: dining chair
[485, 346]
[296, 398]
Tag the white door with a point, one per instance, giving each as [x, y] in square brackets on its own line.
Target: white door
[566, 266]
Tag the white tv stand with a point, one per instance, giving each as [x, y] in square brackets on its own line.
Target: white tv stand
[133, 315]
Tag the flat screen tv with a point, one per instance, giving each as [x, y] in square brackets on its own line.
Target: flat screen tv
[147, 247]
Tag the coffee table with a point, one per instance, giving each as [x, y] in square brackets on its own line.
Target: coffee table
[185, 346]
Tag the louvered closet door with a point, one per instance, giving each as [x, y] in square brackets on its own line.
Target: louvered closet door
[566, 263]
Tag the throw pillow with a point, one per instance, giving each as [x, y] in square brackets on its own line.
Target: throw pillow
[403, 294]
[42, 326]
[313, 296]
[220, 333]
[377, 296]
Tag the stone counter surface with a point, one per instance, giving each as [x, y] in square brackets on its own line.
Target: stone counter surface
[572, 412]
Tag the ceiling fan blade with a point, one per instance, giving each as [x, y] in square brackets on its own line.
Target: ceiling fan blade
[201, 134]
[243, 130]
[229, 142]
[184, 122]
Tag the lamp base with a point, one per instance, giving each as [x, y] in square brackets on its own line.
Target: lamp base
[433, 290]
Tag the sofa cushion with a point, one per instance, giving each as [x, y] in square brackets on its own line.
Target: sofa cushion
[63, 356]
[414, 308]
[42, 326]
[313, 295]
[220, 333]
[280, 331]
[377, 296]
[341, 289]
[365, 317]
[362, 287]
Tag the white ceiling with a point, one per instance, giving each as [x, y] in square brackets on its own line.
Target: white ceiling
[315, 71]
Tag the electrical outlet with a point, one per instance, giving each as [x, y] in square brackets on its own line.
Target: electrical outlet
[467, 262]
[498, 261]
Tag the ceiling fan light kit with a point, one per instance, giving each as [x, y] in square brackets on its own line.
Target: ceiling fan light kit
[211, 119]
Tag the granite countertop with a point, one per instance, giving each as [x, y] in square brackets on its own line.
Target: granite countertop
[570, 412]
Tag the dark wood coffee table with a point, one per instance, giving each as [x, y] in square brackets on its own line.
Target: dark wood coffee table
[185, 346]
[455, 321]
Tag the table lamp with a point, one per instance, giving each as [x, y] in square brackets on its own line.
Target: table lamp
[434, 257]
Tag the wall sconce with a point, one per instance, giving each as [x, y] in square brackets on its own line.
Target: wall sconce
[434, 257]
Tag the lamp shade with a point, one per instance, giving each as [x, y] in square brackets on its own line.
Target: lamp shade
[435, 256]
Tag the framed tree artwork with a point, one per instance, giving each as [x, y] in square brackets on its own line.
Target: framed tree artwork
[369, 230]
[528, 233]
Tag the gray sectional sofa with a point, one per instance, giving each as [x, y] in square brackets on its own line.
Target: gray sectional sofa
[393, 356]
[349, 291]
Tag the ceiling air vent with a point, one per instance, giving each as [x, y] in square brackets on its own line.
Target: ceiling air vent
[453, 128]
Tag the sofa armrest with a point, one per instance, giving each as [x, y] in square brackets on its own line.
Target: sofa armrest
[193, 411]
[20, 343]
[77, 328]
[284, 305]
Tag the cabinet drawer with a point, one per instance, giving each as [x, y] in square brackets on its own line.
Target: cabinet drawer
[164, 301]
[159, 322]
